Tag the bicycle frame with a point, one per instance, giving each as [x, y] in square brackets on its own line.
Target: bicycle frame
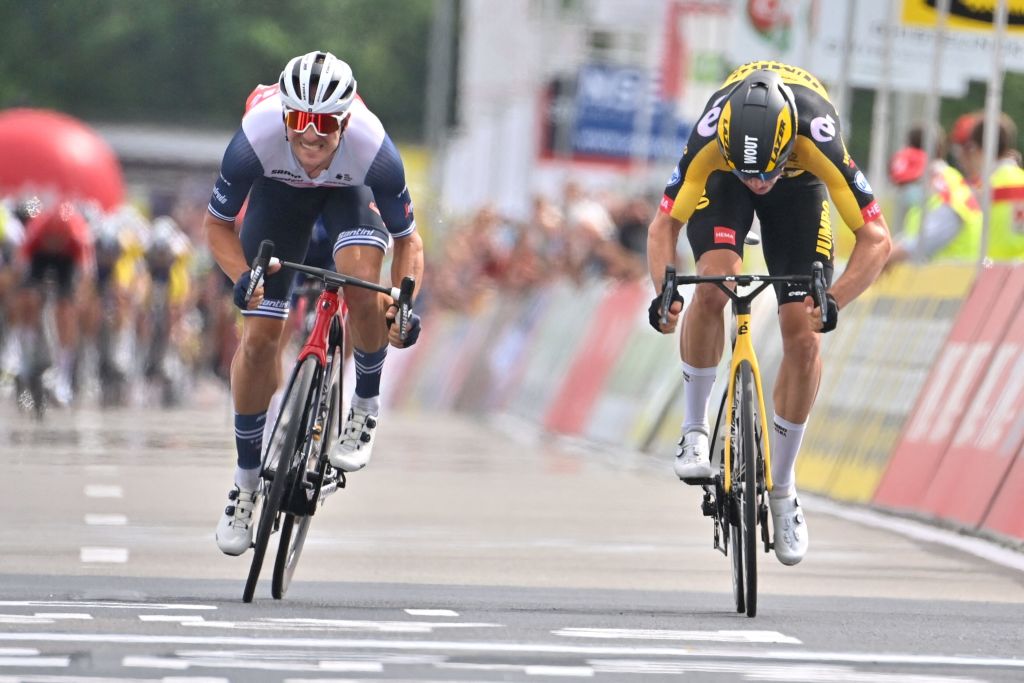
[328, 305]
[743, 350]
[743, 346]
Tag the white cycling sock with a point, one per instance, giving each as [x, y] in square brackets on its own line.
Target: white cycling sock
[370, 405]
[788, 436]
[247, 479]
[697, 385]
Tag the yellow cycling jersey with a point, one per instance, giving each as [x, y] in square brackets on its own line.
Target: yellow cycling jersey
[818, 150]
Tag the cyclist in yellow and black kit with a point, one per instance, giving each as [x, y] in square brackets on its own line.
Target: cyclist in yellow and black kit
[768, 143]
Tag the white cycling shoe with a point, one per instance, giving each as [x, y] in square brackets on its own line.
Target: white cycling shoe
[791, 539]
[234, 530]
[693, 458]
[352, 451]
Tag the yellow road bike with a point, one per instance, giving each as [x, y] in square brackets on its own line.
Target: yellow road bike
[736, 497]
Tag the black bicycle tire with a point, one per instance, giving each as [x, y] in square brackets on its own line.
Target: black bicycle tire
[749, 497]
[731, 525]
[293, 529]
[298, 390]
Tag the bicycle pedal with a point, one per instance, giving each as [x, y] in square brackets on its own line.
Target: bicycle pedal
[699, 481]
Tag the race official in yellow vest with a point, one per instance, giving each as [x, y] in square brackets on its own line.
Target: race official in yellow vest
[951, 228]
[1006, 226]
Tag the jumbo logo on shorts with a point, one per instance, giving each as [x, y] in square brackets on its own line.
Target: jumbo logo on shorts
[724, 235]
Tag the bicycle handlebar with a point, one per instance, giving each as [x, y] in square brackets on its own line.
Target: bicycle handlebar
[402, 296]
[816, 281]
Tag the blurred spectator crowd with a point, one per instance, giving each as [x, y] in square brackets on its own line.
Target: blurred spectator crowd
[581, 237]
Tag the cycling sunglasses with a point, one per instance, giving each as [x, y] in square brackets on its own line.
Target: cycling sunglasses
[760, 176]
[323, 124]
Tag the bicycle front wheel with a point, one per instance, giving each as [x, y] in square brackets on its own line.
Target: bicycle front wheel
[285, 445]
[744, 483]
[295, 527]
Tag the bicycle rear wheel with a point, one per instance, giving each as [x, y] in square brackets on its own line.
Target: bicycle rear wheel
[280, 455]
[744, 482]
[295, 527]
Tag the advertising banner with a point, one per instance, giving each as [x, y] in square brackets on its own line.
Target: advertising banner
[953, 379]
[989, 434]
[875, 363]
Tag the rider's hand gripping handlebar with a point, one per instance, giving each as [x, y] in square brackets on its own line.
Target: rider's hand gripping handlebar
[259, 268]
[404, 303]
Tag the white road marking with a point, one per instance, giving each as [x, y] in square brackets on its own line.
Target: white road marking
[661, 634]
[106, 555]
[348, 665]
[64, 615]
[18, 651]
[106, 520]
[432, 613]
[300, 624]
[111, 604]
[103, 491]
[573, 671]
[181, 618]
[469, 646]
[275, 664]
[751, 671]
[23, 619]
[35, 661]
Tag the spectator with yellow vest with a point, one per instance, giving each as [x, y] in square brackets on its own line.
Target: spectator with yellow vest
[951, 227]
[1006, 225]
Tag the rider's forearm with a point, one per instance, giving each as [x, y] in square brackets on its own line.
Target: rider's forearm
[662, 236]
[870, 253]
[408, 260]
[225, 246]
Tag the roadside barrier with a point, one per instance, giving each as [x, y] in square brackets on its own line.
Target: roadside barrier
[920, 409]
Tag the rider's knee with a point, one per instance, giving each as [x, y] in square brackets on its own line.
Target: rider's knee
[361, 301]
[803, 346]
[259, 346]
[709, 299]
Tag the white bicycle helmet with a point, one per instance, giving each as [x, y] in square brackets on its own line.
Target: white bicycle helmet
[317, 83]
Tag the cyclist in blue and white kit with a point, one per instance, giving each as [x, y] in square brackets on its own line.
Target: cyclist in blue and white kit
[307, 147]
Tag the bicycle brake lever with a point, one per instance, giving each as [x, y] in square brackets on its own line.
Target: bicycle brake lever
[404, 302]
[259, 267]
[818, 286]
[668, 288]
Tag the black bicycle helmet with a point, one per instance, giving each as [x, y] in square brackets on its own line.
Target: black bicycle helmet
[758, 124]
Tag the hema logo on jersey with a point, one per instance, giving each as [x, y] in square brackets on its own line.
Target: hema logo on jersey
[724, 235]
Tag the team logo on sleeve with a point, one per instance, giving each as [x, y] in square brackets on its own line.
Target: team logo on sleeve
[862, 183]
[675, 176]
[823, 128]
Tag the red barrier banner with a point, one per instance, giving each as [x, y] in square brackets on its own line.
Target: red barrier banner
[984, 443]
[1006, 515]
[611, 325]
[952, 381]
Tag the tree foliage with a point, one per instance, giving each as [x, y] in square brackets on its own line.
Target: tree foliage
[194, 62]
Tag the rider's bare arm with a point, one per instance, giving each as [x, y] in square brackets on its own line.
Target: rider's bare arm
[662, 237]
[870, 253]
[407, 259]
[225, 246]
